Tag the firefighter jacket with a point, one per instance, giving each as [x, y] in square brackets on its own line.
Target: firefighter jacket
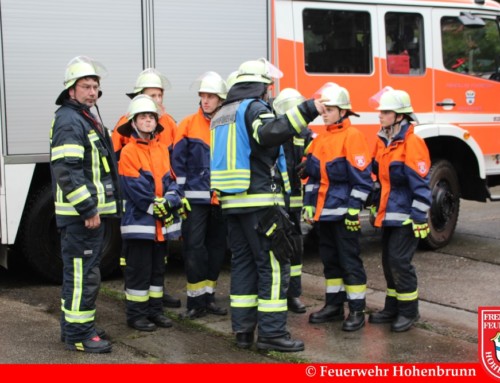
[338, 161]
[84, 174]
[191, 158]
[294, 153]
[246, 142]
[402, 169]
[145, 174]
[166, 136]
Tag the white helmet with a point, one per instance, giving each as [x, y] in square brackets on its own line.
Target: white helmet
[211, 82]
[142, 104]
[231, 79]
[397, 101]
[259, 70]
[150, 78]
[335, 95]
[82, 66]
[286, 100]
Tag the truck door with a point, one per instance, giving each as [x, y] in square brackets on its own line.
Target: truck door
[406, 47]
[466, 63]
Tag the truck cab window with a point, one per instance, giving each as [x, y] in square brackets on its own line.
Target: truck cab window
[404, 36]
[337, 41]
[472, 51]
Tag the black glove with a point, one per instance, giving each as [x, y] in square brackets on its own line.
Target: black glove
[301, 169]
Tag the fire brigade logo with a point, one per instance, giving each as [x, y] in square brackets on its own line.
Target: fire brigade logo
[360, 161]
[422, 167]
[489, 339]
[470, 97]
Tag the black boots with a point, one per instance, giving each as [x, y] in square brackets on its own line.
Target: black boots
[384, 316]
[282, 343]
[295, 305]
[161, 321]
[170, 301]
[95, 345]
[212, 308]
[244, 339]
[354, 321]
[142, 324]
[194, 313]
[403, 323]
[328, 313]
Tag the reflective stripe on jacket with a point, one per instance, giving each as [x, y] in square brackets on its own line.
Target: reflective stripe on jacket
[191, 158]
[341, 159]
[144, 169]
[85, 178]
[402, 168]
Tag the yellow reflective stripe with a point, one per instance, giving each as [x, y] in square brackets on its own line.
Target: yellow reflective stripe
[355, 291]
[271, 229]
[77, 284]
[137, 295]
[286, 181]
[266, 115]
[67, 150]
[105, 164]
[276, 277]
[123, 262]
[243, 301]
[78, 195]
[230, 179]
[296, 201]
[298, 141]
[272, 305]
[408, 296]
[196, 289]
[334, 285]
[231, 146]
[255, 127]
[251, 200]
[65, 208]
[211, 285]
[295, 270]
[79, 316]
[156, 291]
[296, 119]
[391, 293]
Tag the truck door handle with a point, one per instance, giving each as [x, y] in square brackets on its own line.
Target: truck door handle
[446, 103]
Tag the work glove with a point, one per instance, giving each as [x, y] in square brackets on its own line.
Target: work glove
[168, 220]
[184, 209]
[351, 221]
[373, 214]
[308, 214]
[161, 208]
[420, 229]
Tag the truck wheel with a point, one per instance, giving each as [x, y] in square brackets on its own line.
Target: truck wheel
[443, 215]
[39, 240]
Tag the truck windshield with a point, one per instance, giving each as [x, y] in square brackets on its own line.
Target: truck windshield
[472, 51]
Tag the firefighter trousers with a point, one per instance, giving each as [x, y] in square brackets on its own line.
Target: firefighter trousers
[259, 282]
[295, 285]
[345, 275]
[204, 235]
[81, 255]
[144, 277]
[398, 248]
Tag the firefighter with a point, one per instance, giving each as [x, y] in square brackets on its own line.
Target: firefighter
[339, 169]
[401, 165]
[153, 83]
[294, 154]
[248, 170]
[151, 198]
[85, 186]
[204, 229]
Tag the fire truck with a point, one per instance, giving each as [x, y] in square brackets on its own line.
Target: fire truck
[444, 53]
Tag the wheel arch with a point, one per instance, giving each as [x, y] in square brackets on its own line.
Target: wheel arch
[454, 144]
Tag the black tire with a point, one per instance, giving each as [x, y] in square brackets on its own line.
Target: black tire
[39, 240]
[443, 215]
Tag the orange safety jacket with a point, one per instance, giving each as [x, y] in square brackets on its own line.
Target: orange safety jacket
[402, 169]
[338, 161]
[191, 158]
[166, 136]
[145, 174]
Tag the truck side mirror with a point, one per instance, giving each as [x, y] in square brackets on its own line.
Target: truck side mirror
[471, 21]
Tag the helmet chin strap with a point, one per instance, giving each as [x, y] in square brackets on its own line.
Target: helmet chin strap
[142, 134]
